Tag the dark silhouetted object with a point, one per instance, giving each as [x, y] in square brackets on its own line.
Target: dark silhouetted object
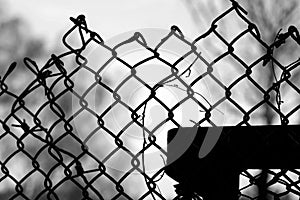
[216, 176]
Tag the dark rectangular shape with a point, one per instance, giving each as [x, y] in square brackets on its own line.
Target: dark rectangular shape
[237, 149]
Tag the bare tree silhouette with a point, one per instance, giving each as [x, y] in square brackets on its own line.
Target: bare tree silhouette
[270, 17]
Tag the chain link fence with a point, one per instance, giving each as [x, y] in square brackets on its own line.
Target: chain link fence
[50, 152]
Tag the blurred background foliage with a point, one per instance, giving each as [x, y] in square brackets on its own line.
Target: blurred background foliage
[17, 41]
[271, 17]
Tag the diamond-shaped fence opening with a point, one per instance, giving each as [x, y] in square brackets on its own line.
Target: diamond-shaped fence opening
[247, 49]
[128, 120]
[231, 19]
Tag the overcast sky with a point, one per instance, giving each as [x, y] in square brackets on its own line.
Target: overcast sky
[50, 19]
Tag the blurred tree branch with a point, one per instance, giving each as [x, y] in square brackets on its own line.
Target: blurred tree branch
[270, 16]
[16, 42]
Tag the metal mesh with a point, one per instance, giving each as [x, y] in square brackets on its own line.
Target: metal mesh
[60, 156]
